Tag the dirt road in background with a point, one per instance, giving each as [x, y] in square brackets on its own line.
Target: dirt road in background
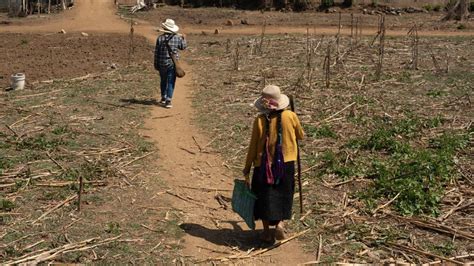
[194, 175]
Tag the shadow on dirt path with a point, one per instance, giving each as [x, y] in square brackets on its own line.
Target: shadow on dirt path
[210, 229]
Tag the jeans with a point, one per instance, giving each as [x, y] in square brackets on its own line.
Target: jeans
[168, 80]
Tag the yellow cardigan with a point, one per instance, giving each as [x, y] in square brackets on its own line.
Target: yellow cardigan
[291, 131]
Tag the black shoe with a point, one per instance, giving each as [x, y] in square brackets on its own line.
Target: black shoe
[168, 104]
[163, 101]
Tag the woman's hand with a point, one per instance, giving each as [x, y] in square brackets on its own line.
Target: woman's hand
[247, 180]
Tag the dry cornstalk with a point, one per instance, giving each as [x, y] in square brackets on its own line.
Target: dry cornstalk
[190, 201]
[79, 193]
[456, 208]
[306, 214]
[32, 245]
[22, 119]
[147, 227]
[197, 144]
[309, 56]
[131, 48]
[406, 248]
[53, 253]
[435, 61]
[136, 159]
[206, 189]
[260, 252]
[357, 31]
[338, 112]
[262, 38]
[437, 227]
[452, 258]
[447, 60]
[227, 46]
[236, 57]
[386, 204]
[68, 183]
[187, 150]
[13, 131]
[155, 247]
[55, 208]
[338, 36]
[327, 67]
[413, 33]
[381, 52]
[55, 162]
[310, 168]
[352, 29]
[361, 82]
[9, 213]
[320, 248]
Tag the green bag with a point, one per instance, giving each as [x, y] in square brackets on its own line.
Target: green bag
[243, 202]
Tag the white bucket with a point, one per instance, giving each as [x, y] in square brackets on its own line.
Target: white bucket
[18, 81]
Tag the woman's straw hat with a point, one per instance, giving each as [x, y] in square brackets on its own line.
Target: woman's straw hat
[170, 25]
[272, 99]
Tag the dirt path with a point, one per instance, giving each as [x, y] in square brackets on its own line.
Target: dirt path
[210, 230]
[250, 30]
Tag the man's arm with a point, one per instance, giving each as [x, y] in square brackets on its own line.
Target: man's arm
[157, 53]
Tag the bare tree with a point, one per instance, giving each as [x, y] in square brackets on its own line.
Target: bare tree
[459, 11]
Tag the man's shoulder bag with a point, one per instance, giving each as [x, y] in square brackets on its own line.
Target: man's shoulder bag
[179, 70]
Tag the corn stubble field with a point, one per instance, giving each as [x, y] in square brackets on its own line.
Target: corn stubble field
[61, 133]
[387, 160]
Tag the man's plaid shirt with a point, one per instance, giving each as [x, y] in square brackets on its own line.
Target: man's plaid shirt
[162, 57]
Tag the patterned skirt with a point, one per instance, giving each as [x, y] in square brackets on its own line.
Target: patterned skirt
[274, 202]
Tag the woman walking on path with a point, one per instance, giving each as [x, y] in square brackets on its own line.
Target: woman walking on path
[163, 62]
[273, 152]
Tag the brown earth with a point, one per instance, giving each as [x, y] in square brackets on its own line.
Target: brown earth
[231, 21]
[54, 56]
[210, 230]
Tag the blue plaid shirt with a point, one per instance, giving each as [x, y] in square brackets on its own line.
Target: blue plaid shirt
[162, 57]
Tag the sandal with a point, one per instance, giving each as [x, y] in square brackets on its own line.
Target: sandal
[267, 237]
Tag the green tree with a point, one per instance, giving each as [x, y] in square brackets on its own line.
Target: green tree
[327, 3]
[348, 3]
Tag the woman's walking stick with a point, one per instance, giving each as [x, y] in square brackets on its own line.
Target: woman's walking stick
[300, 187]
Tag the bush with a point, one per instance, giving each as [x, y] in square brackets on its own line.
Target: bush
[336, 164]
[323, 131]
[428, 7]
[301, 5]
[420, 178]
[6, 205]
[348, 3]
[326, 3]
[437, 8]
[471, 6]
[418, 175]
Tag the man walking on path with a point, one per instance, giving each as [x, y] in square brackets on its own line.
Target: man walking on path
[163, 62]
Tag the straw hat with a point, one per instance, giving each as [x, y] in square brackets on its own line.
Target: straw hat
[170, 26]
[271, 100]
